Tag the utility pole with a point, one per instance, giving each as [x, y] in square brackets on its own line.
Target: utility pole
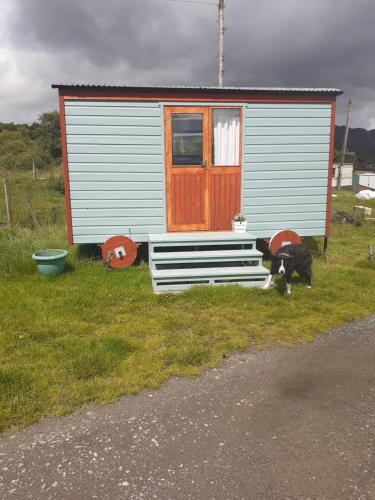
[343, 152]
[221, 43]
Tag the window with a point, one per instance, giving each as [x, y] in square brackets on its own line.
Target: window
[187, 139]
[225, 137]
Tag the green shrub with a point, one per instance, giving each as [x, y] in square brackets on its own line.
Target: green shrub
[18, 150]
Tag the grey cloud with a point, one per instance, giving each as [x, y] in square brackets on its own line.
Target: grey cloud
[145, 33]
[325, 43]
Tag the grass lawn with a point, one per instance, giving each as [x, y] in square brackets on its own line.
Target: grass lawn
[93, 334]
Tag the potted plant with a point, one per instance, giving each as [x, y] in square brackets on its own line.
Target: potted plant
[239, 223]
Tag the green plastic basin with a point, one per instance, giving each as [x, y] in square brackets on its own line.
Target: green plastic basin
[50, 262]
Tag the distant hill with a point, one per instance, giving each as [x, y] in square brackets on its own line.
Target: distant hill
[361, 142]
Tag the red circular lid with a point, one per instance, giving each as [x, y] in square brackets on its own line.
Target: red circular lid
[119, 251]
[282, 238]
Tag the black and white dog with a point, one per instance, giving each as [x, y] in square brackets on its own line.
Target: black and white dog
[288, 259]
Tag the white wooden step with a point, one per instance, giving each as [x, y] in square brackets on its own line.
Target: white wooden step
[205, 256]
[209, 272]
[201, 239]
[199, 236]
[182, 279]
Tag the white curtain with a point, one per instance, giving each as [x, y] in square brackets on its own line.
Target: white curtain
[226, 125]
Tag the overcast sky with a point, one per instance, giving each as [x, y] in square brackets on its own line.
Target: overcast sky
[319, 43]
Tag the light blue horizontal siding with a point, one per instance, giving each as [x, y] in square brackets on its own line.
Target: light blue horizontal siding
[271, 140]
[101, 212]
[139, 131]
[269, 158]
[285, 148]
[106, 194]
[264, 203]
[274, 122]
[312, 223]
[115, 153]
[94, 139]
[291, 112]
[250, 130]
[122, 221]
[95, 111]
[285, 183]
[107, 231]
[117, 186]
[86, 204]
[116, 171]
[285, 168]
[101, 238]
[297, 206]
[294, 174]
[114, 177]
[123, 121]
[114, 167]
[275, 193]
[103, 158]
[115, 149]
[287, 218]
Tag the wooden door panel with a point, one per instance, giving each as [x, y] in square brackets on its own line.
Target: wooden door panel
[187, 202]
[225, 197]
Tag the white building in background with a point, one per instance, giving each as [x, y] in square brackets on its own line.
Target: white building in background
[365, 179]
[346, 176]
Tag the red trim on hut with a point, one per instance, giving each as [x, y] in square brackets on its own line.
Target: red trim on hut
[64, 155]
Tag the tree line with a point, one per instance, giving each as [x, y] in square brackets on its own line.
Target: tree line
[21, 144]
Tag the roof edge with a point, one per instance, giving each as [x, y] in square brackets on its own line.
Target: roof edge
[226, 90]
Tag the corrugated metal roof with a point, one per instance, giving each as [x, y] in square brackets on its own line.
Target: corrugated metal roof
[253, 90]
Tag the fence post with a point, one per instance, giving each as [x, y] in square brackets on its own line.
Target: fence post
[8, 202]
[34, 170]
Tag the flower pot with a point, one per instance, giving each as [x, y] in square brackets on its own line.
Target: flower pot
[50, 262]
[239, 227]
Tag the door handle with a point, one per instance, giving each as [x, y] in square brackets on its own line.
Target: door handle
[204, 164]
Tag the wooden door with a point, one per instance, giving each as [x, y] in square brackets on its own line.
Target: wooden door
[202, 193]
[186, 156]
